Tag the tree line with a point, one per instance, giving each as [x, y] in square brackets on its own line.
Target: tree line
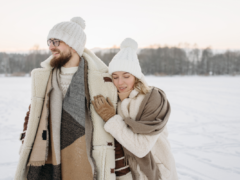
[153, 60]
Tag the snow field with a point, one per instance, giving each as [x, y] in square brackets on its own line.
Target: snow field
[203, 127]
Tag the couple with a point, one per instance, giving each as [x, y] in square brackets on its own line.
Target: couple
[88, 121]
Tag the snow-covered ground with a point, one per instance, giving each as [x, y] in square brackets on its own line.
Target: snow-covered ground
[203, 128]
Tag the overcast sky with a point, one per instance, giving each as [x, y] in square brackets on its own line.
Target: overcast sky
[215, 23]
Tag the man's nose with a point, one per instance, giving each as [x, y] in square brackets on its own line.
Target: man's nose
[51, 46]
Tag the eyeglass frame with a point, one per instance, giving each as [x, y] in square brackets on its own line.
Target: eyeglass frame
[55, 42]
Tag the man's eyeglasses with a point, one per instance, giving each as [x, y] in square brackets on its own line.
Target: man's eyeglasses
[55, 42]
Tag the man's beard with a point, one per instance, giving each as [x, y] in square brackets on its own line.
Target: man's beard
[58, 62]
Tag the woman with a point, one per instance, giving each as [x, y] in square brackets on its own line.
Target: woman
[142, 150]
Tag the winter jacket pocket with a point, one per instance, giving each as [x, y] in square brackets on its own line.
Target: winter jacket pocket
[105, 160]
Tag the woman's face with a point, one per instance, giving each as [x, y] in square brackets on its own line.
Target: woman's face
[123, 81]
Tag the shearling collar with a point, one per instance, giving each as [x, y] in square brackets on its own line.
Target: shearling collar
[133, 94]
[46, 63]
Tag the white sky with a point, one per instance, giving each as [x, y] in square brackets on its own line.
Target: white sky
[215, 23]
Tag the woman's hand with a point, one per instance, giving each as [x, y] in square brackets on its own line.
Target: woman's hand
[105, 109]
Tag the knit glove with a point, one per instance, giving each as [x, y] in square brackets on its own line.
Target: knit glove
[103, 107]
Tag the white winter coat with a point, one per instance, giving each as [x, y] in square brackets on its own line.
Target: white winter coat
[139, 144]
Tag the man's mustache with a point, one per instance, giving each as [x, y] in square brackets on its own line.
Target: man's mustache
[55, 50]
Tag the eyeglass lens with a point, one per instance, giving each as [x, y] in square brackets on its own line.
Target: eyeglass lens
[55, 42]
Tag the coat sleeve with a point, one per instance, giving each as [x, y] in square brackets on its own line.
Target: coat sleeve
[138, 144]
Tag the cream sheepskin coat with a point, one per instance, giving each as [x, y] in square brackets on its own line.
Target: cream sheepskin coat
[103, 153]
[140, 145]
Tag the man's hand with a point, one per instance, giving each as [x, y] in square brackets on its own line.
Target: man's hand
[103, 107]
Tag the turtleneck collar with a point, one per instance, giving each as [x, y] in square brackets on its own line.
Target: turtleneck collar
[70, 70]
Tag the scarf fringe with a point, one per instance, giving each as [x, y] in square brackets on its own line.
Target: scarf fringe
[131, 161]
[36, 163]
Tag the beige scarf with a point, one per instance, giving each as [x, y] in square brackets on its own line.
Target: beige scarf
[151, 119]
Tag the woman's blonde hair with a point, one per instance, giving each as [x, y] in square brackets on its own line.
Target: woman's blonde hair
[140, 87]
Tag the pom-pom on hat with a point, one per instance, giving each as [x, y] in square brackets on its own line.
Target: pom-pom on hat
[71, 32]
[126, 59]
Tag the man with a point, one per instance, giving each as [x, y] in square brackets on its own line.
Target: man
[63, 136]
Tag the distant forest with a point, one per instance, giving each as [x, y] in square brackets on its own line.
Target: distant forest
[154, 61]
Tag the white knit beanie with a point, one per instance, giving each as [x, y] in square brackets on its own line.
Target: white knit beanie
[70, 32]
[126, 59]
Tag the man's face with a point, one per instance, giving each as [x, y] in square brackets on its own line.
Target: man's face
[61, 54]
